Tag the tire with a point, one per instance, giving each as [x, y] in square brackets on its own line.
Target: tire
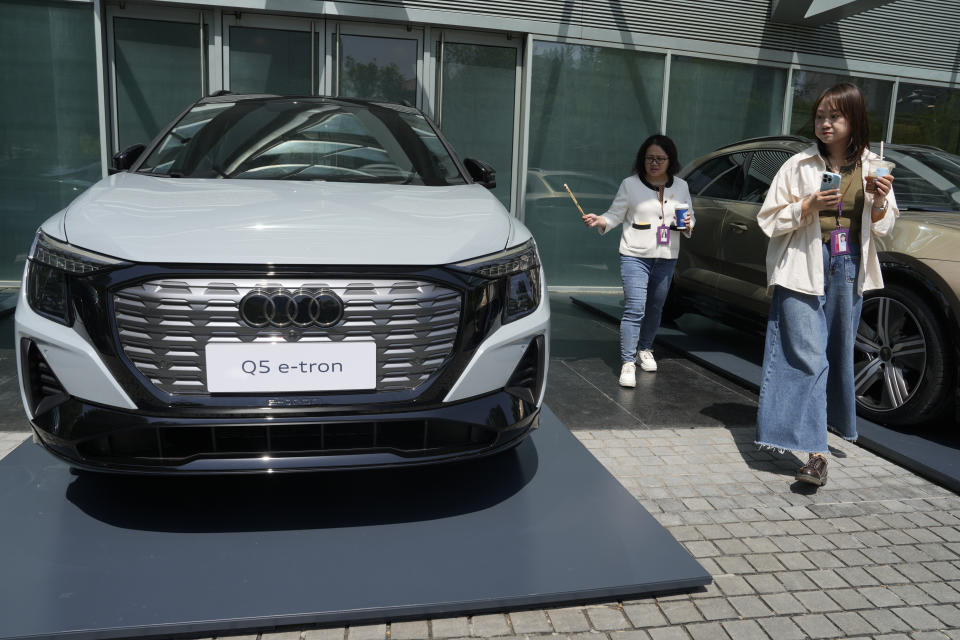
[903, 361]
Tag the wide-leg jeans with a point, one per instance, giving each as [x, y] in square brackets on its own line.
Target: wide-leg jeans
[646, 282]
[807, 381]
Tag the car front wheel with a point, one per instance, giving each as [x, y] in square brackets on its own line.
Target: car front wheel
[903, 369]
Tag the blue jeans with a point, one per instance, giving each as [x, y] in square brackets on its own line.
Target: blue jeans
[807, 380]
[646, 282]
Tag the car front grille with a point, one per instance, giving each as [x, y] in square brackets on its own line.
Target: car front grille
[164, 326]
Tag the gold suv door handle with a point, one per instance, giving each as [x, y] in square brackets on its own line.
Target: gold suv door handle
[739, 226]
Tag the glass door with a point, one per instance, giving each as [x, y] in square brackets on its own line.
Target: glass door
[478, 101]
[375, 62]
[270, 54]
[156, 68]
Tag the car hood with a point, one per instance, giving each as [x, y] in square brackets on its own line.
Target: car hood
[949, 219]
[177, 220]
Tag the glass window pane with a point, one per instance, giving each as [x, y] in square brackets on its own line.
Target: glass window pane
[377, 68]
[584, 132]
[158, 75]
[269, 61]
[478, 106]
[49, 133]
[928, 115]
[715, 103]
[725, 177]
[808, 85]
[763, 167]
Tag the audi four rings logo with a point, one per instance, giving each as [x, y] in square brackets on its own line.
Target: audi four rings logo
[282, 308]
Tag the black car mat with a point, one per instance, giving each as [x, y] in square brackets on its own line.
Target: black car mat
[97, 556]
[930, 452]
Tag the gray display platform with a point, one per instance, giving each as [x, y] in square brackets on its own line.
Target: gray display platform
[932, 452]
[94, 556]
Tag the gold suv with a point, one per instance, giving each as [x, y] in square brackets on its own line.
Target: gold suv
[907, 345]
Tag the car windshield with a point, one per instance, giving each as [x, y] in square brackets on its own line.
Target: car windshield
[304, 139]
[925, 179]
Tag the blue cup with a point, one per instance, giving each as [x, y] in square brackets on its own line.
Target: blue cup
[681, 213]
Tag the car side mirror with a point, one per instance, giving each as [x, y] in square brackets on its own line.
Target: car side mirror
[123, 160]
[481, 172]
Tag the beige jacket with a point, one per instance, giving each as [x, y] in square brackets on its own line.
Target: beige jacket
[794, 254]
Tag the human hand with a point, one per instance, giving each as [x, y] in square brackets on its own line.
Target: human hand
[592, 220]
[820, 201]
[883, 184]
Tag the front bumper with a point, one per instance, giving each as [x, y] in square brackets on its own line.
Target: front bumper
[100, 438]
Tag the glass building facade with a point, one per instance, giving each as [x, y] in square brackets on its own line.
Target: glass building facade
[547, 108]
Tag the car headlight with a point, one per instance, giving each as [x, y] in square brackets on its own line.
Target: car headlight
[517, 270]
[51, 264]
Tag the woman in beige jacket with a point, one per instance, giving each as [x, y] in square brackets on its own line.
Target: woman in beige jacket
[820, 259]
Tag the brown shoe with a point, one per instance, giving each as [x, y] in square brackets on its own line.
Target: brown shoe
[814, 472]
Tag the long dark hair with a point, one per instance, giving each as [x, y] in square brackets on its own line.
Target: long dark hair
[665, 143]
[848, 100]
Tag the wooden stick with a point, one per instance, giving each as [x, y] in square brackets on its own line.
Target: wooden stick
[574, 198]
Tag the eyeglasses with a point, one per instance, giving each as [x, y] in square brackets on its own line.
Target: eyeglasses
[656, 159]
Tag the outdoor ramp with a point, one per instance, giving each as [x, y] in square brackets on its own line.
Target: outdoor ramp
[94, 556]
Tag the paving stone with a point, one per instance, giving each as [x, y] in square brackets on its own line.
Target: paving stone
[450, 627]
[681, 612]
[707, 631]
[524, 622]
[916, 573]
[761, 545]
[750, 606]
[781, 629]
[281, 635]
[795, 561]
[335, 633]
[784, 603]
[816, 601]
[744, 630]
[946, 613]
[857, 577]
[568, 620]
[917, 618]
[716, 609]
[799, 581]
[944, 570]
[851, 623]
[365, 632]
[764, 583]
[764, 562]
[817, 626]
[644, 615]
[852, 557]
[826, 579]
[941, 592]
[912, 594]
[411, 630]
[733, 585]
[886, 575]
[487, 626]
[849, 599]
[607, 618]
[732, 547]
[735, 565]
[881, 597]
[823, 559]
[884, 621]
[701, 548]
[630, 634]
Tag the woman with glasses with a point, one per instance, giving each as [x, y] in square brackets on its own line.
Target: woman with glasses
[820, 259]
[653, 205]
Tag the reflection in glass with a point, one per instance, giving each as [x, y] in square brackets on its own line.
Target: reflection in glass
[478, 106]
[375, 68]
[269, 61]
[928, 115]
[158, 74]
[808, 85]
[304, 139]
[591, 108]
[925, 179]
[715, 103]
[49, 133]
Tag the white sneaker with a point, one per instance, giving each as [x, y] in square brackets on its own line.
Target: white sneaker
[628, 375]
[647, 363]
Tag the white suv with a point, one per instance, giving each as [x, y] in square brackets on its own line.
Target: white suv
[283, 284]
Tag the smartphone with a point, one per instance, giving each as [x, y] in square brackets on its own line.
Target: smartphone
[830, 180]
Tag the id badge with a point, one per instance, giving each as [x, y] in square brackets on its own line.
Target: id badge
[663, 234]
[840, 242]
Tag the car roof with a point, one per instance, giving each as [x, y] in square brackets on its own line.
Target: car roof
[221, 97]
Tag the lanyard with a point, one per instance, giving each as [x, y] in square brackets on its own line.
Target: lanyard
[844, 195]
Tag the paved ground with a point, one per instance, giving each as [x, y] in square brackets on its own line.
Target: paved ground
[875, 553]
